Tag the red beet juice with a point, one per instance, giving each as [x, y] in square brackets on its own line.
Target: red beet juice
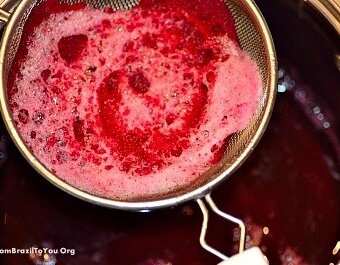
[131, 104]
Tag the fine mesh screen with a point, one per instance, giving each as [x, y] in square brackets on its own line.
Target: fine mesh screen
[114, 4]
[251, 39]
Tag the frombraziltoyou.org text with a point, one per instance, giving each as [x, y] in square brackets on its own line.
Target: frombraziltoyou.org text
[38, 251]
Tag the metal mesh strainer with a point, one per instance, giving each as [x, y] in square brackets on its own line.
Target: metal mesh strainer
[101, 4]
[254, 38]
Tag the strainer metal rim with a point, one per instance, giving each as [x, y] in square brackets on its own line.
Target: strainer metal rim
[152, 204]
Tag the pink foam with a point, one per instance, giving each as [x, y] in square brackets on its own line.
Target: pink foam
[71, 91]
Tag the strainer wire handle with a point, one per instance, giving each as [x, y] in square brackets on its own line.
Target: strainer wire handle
[4, 16]
[6, 8]
[224, 215]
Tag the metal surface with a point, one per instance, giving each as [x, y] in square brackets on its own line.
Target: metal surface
[4, 15]
[254, 37]
[101, 4]
[330, 9]
[226, 216]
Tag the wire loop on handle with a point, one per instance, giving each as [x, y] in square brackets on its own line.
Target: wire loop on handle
[224, 215]
[4, 16]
